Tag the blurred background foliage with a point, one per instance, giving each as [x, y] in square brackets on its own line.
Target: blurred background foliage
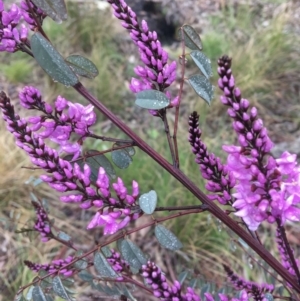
[263, 39]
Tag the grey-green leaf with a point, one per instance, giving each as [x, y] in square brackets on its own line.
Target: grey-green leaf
[121, 158]
[82, 66]
[152, 99]
[98, 160]
[20, 298]
[205, 289]
[29, 293]
[269, 297]
[81, 264]
[55, 9]
[148, 201]
[38, 294]
[51, 61]
[202, 62]
[64, 236]
[132, 254]
[59, 288]
[167, 239]
[202, 87]
[130, 149]
[103, 267]
[190, 37]
[85, 276]
[182, 276]
[106, 251]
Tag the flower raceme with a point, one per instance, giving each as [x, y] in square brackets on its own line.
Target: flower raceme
[60, 266]
[266, 188]
[114, 213]
[59, 123]
[42, 223]
[157, 73]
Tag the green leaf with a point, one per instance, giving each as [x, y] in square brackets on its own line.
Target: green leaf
[82, 66]
[121, 158]
[20, 298]
[64, 236]
[193, 283]
[167, 239]
[29, 293]
[59, 288]
[81, 264]
[38, 294]
[99, 160]
[269, 297]
[51, 61]
[132, 254]
[148, 201]
[106, 251]
[119, 244]
[205, 289]
[182, 276]
[85, 276]
[190, 37]
[55, 9]
[152, 99]
[103, 267]
[130, 149]
[202, 62]
[202, 87]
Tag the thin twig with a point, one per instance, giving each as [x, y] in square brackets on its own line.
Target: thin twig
[167, 130]
[179, 100]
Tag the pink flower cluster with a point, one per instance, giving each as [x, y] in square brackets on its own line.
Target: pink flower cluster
[124, 207]
[31, 14]
[10, 36]
[257, 291]
[266, 189]
[42, 223]
[161, 289]
[59, 123]
[117, 263]
[220, 179]
[59, 266]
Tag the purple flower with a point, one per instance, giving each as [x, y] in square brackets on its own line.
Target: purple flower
[266, 189]
[31, 14]
[220, 180]
[59, 266]
[257, 291]
[117, 263]
[42, 223]
[10, 36]
[161, 289]
[59, 123]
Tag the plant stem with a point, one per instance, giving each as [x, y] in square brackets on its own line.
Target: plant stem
[288, 249]
[183, 179]
[179, 98]
[177, 208]
[103, 138]
[167, 130]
